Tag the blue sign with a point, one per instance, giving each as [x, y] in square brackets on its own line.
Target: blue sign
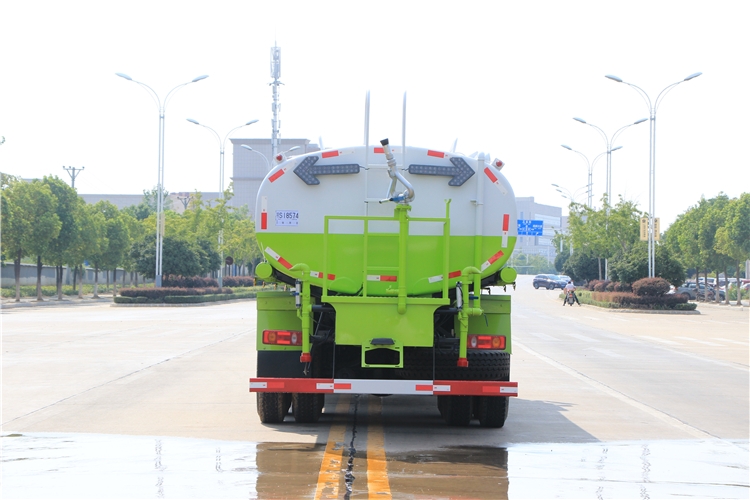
[530, 227]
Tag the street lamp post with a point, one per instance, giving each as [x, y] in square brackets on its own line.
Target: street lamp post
[572, 196]
[221, 185]
[652, 108]
[609, 143]
[160, 177]
[268, 165]
[591, 166]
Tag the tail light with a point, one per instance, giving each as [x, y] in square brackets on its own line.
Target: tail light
[486, 342]
[282, 337]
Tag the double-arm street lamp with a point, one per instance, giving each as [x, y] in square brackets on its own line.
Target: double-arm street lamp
[652, 108]
[609, 143]
[221, 185]
[572, 196]
[160, 177]
[590, 166]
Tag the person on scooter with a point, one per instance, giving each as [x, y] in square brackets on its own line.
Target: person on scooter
[570, 288]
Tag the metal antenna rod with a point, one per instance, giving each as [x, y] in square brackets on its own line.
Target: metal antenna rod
[73, 173]
[275, 74]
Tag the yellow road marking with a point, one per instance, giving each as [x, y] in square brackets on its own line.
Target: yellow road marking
[378, 486]
[329, 476]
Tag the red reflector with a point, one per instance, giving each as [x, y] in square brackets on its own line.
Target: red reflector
[282, 337]
[330, 154]
[486, 342]
[436, 154]
[279, 157]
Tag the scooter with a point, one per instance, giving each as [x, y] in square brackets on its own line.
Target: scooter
[569, 298]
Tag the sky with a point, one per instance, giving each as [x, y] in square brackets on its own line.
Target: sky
[500, 77]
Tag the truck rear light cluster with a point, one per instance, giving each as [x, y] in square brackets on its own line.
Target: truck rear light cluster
[282, 337]
[486, 342]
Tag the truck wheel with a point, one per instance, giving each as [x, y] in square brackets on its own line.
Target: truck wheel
[457, 410]
[307, 408]
[272, 407]
[492, 411]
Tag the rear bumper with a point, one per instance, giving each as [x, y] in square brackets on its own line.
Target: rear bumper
[377, 386]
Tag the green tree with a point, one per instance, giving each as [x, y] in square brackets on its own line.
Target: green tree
[605, 232]
[631, 266]
[733, 239]
[710, 222]
[118, 239]
[67, 205]
[90, 238]
[39, 209]
[582, 266]
[179, 257]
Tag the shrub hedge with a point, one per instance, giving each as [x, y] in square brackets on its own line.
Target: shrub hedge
[185, 299]
[632, 301]
[189, 282]
[651, 287]
[160, 293]
[239, 281]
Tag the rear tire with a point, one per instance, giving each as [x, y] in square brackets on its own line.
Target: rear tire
[457, 410]
[492, 411]
[307, 408]
[550, 287]
[272, 407]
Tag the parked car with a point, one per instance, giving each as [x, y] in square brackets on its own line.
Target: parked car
[549, 281]
[692, 291]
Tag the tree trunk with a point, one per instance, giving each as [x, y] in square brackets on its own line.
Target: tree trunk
[17, 271]
[75, 277]
[136, 279]
[705, 285]
[114, 282]
[59, 276]
[80, 284]
[96, 282]
[39, 297]
[107, 271]
[739, 290]
[600, 267]
[726, 285]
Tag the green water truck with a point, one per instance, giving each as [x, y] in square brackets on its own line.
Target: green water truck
[391, 266]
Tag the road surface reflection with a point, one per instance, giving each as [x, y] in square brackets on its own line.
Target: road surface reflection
[52, 465]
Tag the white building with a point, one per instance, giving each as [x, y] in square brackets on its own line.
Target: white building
[553, 221]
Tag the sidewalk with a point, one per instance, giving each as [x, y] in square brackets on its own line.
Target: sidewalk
[87, 300]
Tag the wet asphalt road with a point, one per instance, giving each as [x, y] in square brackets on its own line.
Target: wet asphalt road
[106, 402]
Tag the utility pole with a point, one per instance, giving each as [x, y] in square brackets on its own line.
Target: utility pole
[184, 199]
[73, 173]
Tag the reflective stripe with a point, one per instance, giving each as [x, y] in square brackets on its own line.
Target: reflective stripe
[492, 260]
[375, 277]
[379, 386]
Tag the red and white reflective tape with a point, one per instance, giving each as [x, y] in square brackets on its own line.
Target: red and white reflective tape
[264, 212]
[329, 154]
[436, 154]
[278, 258]
[377, 277]
[376, 386]
[439, 277]
[506, 226]
[493, 178]
[278, 174]
[487, 263]
[318, 274]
